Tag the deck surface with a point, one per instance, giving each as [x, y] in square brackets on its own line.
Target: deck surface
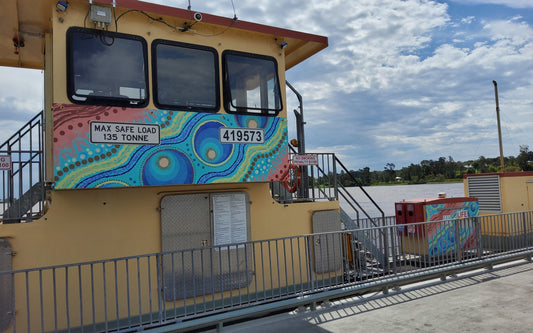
[497, 300]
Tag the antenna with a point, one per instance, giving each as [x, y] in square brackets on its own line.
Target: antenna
[499, 125]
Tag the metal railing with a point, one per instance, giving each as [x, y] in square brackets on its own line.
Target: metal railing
[23, 193]
[308, 183]
[204, 286]
[320, 182]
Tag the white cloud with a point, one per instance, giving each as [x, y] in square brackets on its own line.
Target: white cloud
[468, 20]
[400, 79]
[21, 90]
[509, 3]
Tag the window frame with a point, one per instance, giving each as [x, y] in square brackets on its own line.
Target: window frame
[227, 89]
[105, 100]
[155, 94]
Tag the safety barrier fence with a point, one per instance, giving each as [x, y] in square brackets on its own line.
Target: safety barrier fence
[205, 286]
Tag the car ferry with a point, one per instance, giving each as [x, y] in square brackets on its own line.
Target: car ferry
[158, 190]
[163, 130]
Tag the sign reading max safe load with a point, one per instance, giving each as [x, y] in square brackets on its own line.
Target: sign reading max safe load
[124, 133]
[5, 162]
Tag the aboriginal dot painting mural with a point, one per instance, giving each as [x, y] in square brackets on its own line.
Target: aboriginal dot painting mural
[102, 146]
[443, 238]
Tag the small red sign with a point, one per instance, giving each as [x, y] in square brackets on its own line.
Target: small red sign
[5, 162]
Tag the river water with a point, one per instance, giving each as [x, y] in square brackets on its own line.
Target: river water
[386, 196]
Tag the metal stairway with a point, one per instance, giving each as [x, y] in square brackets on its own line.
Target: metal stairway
[23, 191]
[377, 250]
[320, 182]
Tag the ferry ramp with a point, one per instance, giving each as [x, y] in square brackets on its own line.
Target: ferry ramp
[496, 300]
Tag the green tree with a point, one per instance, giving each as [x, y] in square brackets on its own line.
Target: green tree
[523, 158]
[390, 173]
[364, 175]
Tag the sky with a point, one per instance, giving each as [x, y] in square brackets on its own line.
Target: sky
[401, 81]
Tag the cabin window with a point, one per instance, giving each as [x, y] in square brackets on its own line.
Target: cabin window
[251, 84]
[106, 68]
[185, 76]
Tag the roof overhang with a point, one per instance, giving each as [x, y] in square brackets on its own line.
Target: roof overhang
[25, 22]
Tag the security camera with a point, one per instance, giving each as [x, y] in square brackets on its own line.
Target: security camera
[197, 17]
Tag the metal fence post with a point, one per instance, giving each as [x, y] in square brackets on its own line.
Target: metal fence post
[457, 236]
[477, 230]
[524, 225]
[335, 186]
[310, 260]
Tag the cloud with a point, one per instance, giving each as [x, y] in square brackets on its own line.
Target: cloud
[405, 80]
[401, 81]
[508, 3]
[21, 97]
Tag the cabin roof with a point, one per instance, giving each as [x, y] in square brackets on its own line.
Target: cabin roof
[29, 20]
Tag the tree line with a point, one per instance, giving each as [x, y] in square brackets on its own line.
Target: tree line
[440, 170]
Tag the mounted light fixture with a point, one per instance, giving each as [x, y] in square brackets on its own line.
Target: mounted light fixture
[283, 45]
[62, 6]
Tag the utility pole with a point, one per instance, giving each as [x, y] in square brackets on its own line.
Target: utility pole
[499, 125]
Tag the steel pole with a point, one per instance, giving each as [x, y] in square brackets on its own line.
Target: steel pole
[499, 125]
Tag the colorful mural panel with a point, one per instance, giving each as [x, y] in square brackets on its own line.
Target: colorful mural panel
[444, 237]
[188, 149]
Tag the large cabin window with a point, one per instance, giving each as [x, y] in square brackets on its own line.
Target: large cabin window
[185, 76]
[251, 84]
[106, 68]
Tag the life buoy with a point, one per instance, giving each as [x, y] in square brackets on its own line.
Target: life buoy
[294, 179]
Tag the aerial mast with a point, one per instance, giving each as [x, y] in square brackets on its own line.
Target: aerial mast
[499, 125]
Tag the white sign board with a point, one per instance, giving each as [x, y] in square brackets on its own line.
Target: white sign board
[305, 159]
[241, 135]
[230, 218]
[125, 133]
[5, 162]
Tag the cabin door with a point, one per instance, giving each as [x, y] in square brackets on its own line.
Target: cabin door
[196, 233]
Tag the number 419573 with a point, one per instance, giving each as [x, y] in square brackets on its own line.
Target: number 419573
[241, 135]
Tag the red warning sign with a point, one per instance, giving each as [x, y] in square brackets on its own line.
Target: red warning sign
[5, 162]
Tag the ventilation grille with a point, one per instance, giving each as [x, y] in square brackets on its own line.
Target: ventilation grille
[487, 190]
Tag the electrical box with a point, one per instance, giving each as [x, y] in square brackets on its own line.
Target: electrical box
[439, 238]
[100, 15]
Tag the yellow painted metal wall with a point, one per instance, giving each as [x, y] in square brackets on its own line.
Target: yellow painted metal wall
[96, 224]
[516, 195]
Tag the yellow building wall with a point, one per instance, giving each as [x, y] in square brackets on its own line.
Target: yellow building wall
[516, 195]
[90, 225]
[217, 37]
[97, 224]
[94, 224]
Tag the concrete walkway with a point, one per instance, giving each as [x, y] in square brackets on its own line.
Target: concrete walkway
[497, 300]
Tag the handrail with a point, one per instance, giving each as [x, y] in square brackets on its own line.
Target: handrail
[18, 133]
[308, 186]
[143, 292]
[23, 191]
[361, 187]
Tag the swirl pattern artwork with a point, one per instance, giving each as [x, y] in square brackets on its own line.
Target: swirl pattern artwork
[189, 152]
[457, 230]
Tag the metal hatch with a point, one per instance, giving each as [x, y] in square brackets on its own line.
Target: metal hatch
[194, 265]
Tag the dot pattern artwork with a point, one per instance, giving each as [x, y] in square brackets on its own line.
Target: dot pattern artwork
[190, 150]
